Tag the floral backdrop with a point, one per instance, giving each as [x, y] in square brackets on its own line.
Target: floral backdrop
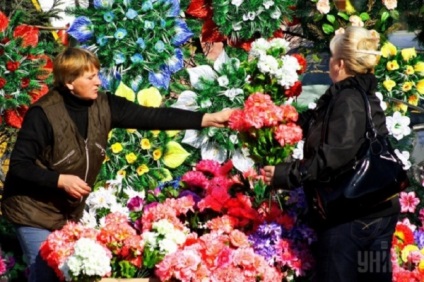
[192, 205]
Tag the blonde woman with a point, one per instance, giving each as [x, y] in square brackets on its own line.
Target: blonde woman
[355, 244]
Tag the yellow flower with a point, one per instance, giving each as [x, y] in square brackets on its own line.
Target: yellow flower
[420, 86]
[413, 100]
[407, 250]
[392, 65]
[408, 53]
[388, 49]
[145, 144]
[142, 169]
[121, 173]
[116, 147]
[125, 91]
[166, 175]
[109, 135]
[3, 147]
[131, 130]
[157, 154]
[407, 86]
[149, 97]
[175, 155]
[409, 70]
[131, 158]
[419, 67]
[172, 133]
[400, 107]
[155, 133]
[5, 166]
[106, 159]
[389, 84]
[421, 265]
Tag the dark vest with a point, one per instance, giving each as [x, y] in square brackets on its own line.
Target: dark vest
[69, 154]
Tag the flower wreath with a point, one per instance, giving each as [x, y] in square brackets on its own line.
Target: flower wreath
[140, 39]
[240, 21]
[24, 69]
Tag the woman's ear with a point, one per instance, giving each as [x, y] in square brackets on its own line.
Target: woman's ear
[70, 86]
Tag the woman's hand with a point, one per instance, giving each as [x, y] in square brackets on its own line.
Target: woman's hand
[268, 174]
[218, 119]
[73, 186]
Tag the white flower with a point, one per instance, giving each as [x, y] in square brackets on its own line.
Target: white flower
[241, 160]
[383, 104]
[178, 236]
[268, 4]
[163, 226]
[250, 16]
[89, 218]
[259, 46]
[398, 125]
[268, 64]
[89, 259]
[312, 105]
[237, 3]
[233, 92]
[298, 151]
[167, 246]
[150, 239]
[323, 6]
[234, 138]
[280, 43]
[404, 157]
[237, 26]
[102, 198]
[223, 81]
[276, 14]
[205, 103]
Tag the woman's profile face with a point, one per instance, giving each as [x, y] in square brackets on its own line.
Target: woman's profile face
[87, 85]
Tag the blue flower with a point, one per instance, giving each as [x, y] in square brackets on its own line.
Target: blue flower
[141, 43]
[149, 25]
[105, 78]
[182, 33]
[160, 79]
[176, 62]
[147, 6]
[120, 33]
[131, 14]
[109, 17]
[136, 83]
[137, 58]
[119, 58]
[175, 8]
[101, 40]
[103, 3]
[81, 29]
[159, 46]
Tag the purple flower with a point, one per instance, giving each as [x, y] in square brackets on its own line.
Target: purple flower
[175, 8]
[81, 29]
[182, 33]
[419, 238]
[135, 204]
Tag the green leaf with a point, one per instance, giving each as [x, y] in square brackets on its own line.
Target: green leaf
[331, 18]
[384, 16]
[343, 16]
[328, 29]
[364, 16]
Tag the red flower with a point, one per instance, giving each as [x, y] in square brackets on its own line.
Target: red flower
[38, 93]
[14, 117]
[28, 33]
[2, 82]
[46, 69]
[302, 62]
[63, 36]
[295, 90]
[25, 82]
[4, 22]
[12, 66]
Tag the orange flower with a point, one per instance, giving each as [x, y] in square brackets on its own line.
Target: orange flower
[28, 33]
[4, 22]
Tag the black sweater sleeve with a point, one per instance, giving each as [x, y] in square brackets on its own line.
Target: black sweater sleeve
[126, 114]
[34, 135]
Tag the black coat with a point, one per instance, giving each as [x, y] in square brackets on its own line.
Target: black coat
[345, 133]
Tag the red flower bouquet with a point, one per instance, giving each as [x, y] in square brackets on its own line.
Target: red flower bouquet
[267, 130]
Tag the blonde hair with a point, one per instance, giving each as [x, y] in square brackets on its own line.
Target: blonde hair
[71, 63]
[358, 48]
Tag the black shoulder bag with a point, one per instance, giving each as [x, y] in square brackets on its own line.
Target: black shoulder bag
[374, 176]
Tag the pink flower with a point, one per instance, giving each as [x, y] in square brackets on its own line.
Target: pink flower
[408, 201]
[3, 267]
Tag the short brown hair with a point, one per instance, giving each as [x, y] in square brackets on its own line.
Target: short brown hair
[71, 63]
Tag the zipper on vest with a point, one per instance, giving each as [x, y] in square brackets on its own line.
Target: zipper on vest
[65, 158]
[87, 159]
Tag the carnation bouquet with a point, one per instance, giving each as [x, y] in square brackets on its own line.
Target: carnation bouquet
[269, 131]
